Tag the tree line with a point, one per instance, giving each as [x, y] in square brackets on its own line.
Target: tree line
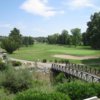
[89, 38]
[92, 35]
[65, 38]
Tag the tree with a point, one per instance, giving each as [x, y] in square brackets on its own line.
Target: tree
[76, 36]
[85, 39]
[9, 45]
[53, 39]
[31, 41]
[93, 31]
[16, 36]
[63, 38]
[40, 39]
[28, 41]
[25, 41]
[70, 40]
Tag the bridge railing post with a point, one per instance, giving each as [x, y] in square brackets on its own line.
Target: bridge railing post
[52, 65]
[78, 67]
[98, 72]
[90, 70]
[81, 75]
[86, 68]
[67, 65]
[75, 66]
[72, 66]
[95, 71]
[92, 79]
[87, 77]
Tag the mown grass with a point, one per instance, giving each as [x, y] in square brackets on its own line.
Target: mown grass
[45, 51]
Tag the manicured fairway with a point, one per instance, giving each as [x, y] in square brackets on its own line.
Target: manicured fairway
[45, 51]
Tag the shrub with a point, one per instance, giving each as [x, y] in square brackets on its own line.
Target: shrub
[64, 61]
[77, 91]
[55, 61]
[16, 63]
[67, 61]
[9, 45]
[3, 66]
[60, 78]
[96, 86]
[5, 96]
[44, 60]
[38, 95]
[16, 80]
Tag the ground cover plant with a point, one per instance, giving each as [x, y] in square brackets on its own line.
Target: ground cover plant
[39, 95]
[79, 90]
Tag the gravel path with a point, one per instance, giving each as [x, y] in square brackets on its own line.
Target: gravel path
[33, 64]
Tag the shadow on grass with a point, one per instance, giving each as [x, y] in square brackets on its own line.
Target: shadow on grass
[77, 47]
[92, 62]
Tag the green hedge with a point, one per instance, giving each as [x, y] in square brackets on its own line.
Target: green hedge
[79, 90]
[38, 95]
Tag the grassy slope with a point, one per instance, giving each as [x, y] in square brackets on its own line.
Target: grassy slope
[45, 51]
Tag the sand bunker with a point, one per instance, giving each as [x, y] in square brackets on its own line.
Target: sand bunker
[75, 57]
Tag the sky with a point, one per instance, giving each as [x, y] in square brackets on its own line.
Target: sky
[45, 17]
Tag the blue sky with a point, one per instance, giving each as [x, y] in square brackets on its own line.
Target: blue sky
[45, 17]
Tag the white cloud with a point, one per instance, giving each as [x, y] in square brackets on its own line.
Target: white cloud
[77, 4]
[39, 7]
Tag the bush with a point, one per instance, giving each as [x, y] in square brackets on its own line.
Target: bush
[9, 45]
[3, 66]
[16, 80]
[60, 78]
[16, 63]
[67, 61]
[77, 91]
[5, 96]
[64, 61]
[96, 86]
[38, 95]
[55, 61]
[44, 60]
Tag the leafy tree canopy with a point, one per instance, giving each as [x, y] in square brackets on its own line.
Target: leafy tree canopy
[93, 31]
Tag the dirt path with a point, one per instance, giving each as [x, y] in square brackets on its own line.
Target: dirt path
[33, 64]
[75, 57]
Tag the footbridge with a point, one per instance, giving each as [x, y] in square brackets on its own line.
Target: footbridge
[79, 71]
